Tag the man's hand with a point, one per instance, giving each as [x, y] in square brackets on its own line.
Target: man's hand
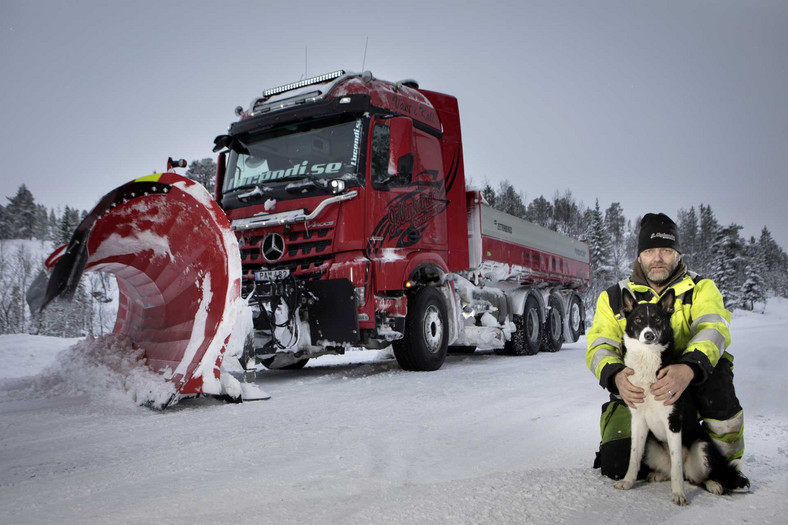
[630, 393]
[671, 382]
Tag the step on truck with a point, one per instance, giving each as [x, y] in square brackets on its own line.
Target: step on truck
[345, 197]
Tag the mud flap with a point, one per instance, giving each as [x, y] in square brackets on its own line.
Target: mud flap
[333, 317]
[178, 269]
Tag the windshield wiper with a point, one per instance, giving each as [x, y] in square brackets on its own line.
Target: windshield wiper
[256, 192]
[303, 185]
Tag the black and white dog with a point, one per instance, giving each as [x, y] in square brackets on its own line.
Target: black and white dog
[648, 342]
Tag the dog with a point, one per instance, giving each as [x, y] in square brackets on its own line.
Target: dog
[690, 454]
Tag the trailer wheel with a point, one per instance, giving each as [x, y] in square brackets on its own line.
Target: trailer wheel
[554, 326]
[527, 337]
[425, 341]
[575, 319]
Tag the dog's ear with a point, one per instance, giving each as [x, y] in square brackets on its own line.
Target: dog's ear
[629, 301]
[667, 300]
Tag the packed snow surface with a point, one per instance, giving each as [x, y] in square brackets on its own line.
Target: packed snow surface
[354, 439]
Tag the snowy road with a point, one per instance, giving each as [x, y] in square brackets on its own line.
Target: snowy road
[486, 439]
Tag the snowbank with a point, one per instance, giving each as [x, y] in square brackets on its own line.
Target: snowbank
[108, 370]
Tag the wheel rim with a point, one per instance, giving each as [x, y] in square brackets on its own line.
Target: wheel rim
[433, 329]
[575, 317]
[555, 324]
[532, 324]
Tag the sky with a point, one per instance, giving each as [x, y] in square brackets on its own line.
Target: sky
[657, 105]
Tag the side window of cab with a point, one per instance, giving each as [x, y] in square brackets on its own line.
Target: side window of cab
[379, 161]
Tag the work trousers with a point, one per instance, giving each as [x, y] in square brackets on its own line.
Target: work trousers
[718, 409]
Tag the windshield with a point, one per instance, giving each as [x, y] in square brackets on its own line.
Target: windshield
[311, 150]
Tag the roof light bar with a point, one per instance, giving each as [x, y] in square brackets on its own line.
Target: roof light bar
[301, 83]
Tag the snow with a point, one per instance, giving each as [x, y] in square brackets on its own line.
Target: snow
[354, 439]
[117, 244]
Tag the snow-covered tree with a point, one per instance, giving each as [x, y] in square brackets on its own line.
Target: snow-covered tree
[727, 258]
[21, 215]
[568, 215]
[488, 192]
[708, 234]
[754, 288]
[540, 211]
[775, 262]
[68, 223]
[509, 200]
[615, 222]
[687, 223]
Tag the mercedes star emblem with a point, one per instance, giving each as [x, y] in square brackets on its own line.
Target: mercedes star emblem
[273, 247]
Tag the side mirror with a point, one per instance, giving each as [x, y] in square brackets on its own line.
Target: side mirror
[401, 146]
[221, 142]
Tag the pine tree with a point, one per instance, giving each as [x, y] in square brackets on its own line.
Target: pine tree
[509, 200]
[540, 211]
[754, 288]
[5, 227]
[567, 214]
[775, 262]
[204, 172]
[708, 233]
[615, 222]
[687, 223]
[21, 214]
[726, 262]
[489, 194]
[68, 223]
[598, 237]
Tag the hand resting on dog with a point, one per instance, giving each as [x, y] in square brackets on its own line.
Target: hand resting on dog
[673, 378]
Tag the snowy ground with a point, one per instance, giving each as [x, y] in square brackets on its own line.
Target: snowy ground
[486, 439]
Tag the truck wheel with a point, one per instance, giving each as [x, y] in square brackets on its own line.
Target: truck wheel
[424, 345]
[575, 319]
[527, 337]
[298, 365]
[554, 326]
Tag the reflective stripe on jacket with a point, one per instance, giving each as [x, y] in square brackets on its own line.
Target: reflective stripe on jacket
[701, 328]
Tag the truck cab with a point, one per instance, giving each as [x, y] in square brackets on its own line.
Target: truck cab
[338, 188]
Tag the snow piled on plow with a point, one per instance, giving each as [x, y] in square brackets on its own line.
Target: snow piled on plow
[108, 370]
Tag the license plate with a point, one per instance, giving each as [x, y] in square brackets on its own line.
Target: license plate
[271, 275]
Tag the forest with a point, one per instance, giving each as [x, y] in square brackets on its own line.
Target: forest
[747, 271]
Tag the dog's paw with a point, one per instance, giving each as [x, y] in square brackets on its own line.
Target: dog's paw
[714, 487]
[657, 477]
[680, 499]
[623, 484]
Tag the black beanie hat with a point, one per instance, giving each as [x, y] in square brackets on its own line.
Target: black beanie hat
[657, 230]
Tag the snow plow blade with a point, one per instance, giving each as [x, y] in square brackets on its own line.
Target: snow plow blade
[178, 270]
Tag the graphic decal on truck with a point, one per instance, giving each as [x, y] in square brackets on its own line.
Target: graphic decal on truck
[409, 214]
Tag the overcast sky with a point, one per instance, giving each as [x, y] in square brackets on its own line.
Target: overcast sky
[658, 105]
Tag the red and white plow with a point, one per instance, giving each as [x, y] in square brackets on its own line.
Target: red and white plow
[178, 270]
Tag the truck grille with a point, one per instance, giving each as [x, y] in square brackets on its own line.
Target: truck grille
[303, 243]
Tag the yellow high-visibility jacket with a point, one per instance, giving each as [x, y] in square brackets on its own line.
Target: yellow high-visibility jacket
[700, 324]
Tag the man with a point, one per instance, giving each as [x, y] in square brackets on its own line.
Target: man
[700, 323]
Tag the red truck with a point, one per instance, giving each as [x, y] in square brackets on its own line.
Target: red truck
[345, 197]
[347, 194]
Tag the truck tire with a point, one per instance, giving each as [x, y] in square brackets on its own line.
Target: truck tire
[553, 326]
[425, 341]
[527, 337]
[574, 319]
